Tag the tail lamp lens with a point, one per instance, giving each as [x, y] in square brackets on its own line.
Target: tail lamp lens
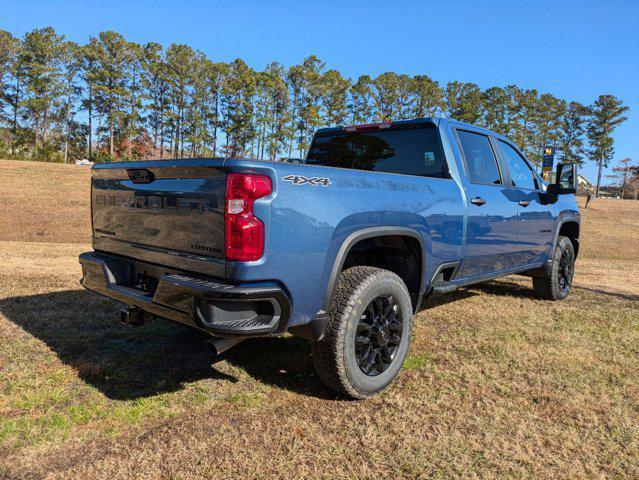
[244, 231]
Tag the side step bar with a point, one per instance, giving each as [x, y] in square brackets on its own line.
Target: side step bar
[443, 286]
[441, 282]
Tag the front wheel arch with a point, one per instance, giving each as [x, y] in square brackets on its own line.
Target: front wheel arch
[570, 229]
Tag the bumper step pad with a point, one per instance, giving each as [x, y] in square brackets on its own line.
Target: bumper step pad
[217, 307]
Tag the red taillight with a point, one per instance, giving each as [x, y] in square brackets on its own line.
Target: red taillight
[244, 231]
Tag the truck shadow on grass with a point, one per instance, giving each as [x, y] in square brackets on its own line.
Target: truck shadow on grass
[281, 362]
[494, 287]
[126, 363]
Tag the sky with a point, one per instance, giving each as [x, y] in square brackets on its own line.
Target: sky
[576, 50]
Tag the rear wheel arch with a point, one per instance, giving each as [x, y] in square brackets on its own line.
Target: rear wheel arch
[378, 236]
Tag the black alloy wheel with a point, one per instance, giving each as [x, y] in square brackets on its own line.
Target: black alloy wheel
[556, 283]
[378, 335]
[565, 271]
[368, 333]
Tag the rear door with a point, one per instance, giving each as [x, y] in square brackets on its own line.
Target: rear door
[170, 214]
[491, 234]
[535, 231]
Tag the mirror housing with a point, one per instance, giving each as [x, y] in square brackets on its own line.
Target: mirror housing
[565, 180]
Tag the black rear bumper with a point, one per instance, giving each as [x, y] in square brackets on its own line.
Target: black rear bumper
[219, 308]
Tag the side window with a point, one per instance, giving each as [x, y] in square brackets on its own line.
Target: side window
[520, 172]
[481, 165]
[407, 149]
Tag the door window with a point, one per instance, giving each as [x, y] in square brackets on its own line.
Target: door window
[481, 165]
[520, 173]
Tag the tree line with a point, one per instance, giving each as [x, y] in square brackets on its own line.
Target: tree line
[112, 99]
[624, 179]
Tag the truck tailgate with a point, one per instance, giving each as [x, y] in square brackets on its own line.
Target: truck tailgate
[165, 210]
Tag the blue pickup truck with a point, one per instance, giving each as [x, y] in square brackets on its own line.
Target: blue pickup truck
[340, 250]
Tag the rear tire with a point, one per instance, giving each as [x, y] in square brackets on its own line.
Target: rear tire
[368, 333]
[556, 286]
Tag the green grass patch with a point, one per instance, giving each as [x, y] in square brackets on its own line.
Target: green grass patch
[415, 362]
[248, 399]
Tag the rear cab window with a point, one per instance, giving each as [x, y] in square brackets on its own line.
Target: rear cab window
[409, 149]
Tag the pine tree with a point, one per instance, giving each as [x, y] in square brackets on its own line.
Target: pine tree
[428, 97]
[495, 103]
[216, 76]
[113, 58]
[71, 66]
[8, 49]
[40, 62]
[312, 69]
[295, 84]
[547, 124]
[132, 127]
[237, 106]
[605, 115]
[361, 100]
[334, 98]
[262, 109]
[180, 60]
[9, 71]
[571, 139]
[463, 101]
[522, 105]
[155, 83]
[197, 125]
[387, 96]
[281, 114]
[89, 55]
[272, 103]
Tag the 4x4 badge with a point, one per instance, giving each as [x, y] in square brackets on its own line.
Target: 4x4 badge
[300, 180]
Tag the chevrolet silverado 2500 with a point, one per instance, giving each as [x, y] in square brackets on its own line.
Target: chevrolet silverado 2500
[340, 250]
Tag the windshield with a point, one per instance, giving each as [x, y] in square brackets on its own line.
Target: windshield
[407, 149]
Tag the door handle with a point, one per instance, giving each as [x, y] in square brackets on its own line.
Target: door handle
[524, 203]
[477, 201]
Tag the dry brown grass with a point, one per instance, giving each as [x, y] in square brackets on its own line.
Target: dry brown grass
[498, 383]
[44, 202]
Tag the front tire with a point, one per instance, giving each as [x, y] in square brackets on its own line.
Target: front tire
[556, 286]
[368, 334]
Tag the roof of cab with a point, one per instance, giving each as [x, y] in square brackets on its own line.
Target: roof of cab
[439, 121]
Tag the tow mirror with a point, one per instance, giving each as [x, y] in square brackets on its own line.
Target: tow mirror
[565, 180]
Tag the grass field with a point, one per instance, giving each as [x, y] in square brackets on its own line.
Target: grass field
[497, 384]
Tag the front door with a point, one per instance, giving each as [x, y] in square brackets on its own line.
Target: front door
[535, 231]
[491, 234]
